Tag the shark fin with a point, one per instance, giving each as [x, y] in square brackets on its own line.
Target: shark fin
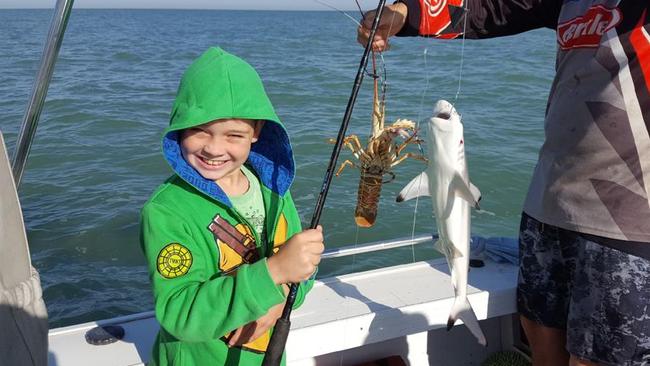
[447, 248]
[439, 245]
[463, 310]
[417, 187]
[476, 194]
[468, 192]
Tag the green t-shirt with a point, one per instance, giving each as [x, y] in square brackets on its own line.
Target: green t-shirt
[250, 204]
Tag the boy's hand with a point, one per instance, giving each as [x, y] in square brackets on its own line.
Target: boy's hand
[297, 259]
[253, 330]
[392, 21]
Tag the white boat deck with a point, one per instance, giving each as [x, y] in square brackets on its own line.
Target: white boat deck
[372, 310]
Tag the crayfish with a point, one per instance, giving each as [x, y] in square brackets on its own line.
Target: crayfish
[381, 154]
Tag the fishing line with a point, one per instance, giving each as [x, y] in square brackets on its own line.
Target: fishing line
[427, 76]
[356, 235]
[384, 84]
[421, 108]
[356, 241]
[339, 10]
[360, 11]
[462, 52]
[415, 215]
[381, 76]
[419, 144]
[275, 349]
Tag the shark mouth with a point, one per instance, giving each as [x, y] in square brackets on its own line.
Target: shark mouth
[443, 115]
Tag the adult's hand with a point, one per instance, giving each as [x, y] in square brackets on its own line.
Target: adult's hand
[392, 20]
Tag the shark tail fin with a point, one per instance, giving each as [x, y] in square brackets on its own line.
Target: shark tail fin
[463, 310]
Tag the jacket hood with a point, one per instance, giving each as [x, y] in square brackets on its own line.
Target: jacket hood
[220, 85]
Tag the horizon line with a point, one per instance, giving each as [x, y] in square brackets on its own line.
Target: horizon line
[153, 8]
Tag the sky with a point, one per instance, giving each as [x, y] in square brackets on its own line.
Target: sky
[197, 4]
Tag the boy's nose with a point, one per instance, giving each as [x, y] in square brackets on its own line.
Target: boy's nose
[213, 149]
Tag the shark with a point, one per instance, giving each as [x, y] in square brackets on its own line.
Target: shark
[446, 181]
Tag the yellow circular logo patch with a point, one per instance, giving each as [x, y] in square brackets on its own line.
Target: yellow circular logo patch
[174, 260]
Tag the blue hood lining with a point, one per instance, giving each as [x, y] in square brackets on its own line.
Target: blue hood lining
[271, 158]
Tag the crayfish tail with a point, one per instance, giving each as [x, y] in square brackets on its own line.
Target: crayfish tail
[367, 198]
[363, 221]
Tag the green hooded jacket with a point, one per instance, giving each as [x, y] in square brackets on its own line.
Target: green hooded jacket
[205, 283]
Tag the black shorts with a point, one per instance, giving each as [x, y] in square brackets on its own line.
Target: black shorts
[600, 295]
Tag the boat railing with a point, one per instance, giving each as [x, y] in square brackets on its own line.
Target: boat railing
[328, 254]
[375, 246]
[39, 90]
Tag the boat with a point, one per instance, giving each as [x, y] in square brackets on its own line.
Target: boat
[392, 313]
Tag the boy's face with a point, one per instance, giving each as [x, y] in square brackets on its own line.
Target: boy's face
[218, 149]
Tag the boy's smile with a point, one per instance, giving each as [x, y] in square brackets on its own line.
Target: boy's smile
[218, 149]
[214, 163]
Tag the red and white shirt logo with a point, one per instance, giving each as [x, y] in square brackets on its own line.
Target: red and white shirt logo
[434, 7]
[588, 29]
[434, 17]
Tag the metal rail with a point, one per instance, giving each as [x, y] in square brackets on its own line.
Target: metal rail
[39, 90]
[375, 246]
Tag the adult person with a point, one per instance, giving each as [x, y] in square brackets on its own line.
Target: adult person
[584, 280]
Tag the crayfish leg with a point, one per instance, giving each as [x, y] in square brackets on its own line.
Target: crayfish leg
[343, 165]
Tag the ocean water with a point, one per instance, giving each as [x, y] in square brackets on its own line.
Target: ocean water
[96, 156]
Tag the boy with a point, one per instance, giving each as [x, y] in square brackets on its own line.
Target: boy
[209, 231]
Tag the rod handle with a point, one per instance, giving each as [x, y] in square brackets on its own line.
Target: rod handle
[274, 352]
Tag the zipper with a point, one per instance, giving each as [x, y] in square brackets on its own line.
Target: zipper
[269, 248]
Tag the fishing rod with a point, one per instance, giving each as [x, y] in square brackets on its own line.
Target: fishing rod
[278, 340]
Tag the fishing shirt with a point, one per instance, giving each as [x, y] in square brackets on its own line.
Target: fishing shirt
[593, 171]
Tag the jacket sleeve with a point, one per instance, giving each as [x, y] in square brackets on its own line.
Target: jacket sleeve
[295, 227]
[485, 18]
[194, 304]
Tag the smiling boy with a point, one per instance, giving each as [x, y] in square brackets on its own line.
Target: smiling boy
[218, 149]
[211, 230]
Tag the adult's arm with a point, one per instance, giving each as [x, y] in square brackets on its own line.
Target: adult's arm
[448, 19]
[485, 18]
